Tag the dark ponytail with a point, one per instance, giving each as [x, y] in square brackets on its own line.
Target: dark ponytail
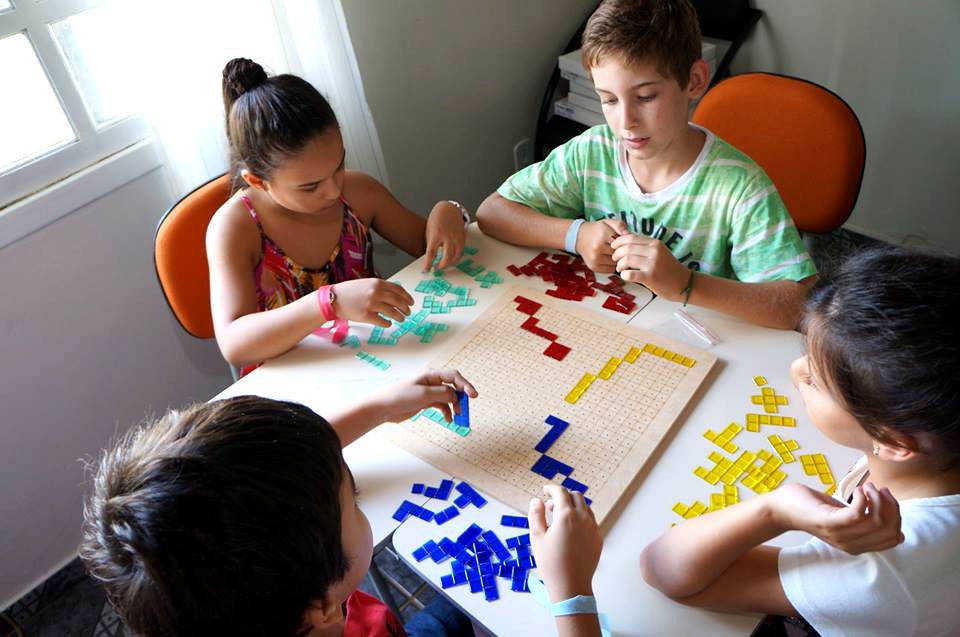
[269, 118]
[881, 333]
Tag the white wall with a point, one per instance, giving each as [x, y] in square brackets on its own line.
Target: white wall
[454, 84]
[87, 348]
[896, 64]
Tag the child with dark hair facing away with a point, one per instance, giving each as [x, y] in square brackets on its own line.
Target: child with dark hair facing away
[291, 249]
[239, 517]
[651, 196]
[879, 376]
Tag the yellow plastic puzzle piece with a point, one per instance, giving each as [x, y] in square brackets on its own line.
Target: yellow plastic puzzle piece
[649, 348]
[692, 511]
[688, 362]
[724, 438]
[815, 464]
[769, 399]
[731, 495]
[738, 467]
[579, 388]
[831, 489]
[784, 447]
[609, 368]
[658, 351]
[632, 354]
[722, 464]
[759, 381]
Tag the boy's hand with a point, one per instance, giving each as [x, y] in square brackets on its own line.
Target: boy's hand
[649, 262]
[593, 243]
[432, 388]
[568, 550]
[444, 230]
[871, 522]
[363, 300]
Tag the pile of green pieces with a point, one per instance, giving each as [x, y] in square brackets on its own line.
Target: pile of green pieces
[437, 417]
[414, 323]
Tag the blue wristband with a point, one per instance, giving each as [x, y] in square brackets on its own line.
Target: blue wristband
[579, 605]
[570, 243]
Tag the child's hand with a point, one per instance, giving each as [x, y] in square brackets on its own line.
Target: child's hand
[649, 262]
[568, 551]
[593, 243]
[363, 300]
[444, 230]
[433, 388]
[870, 523]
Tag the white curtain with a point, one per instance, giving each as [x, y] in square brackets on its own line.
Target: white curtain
[177, 50]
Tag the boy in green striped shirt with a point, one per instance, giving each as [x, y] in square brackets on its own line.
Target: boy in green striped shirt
[663, 202]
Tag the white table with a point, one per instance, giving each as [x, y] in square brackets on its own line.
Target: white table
[321, 376]
[324, 376]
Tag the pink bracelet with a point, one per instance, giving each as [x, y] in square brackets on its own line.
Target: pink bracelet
[326, 307]
[338, 331]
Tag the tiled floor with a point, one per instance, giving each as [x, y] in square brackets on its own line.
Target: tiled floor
[69, 604]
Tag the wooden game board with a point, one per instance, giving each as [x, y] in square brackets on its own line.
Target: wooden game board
[615, 426]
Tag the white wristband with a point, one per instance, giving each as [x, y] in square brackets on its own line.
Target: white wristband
[570, 242]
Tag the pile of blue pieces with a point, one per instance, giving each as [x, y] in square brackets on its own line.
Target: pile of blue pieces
[468, 495]
[479, 557]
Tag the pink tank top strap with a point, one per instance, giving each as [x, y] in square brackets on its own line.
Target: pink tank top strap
[249, 205]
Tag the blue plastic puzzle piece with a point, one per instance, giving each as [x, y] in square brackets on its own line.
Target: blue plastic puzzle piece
[421, 553]
[519, 580]
[516, 521]
[472, 532]
[573, 485]
[417, 486]
[443, 491]
[403, 511]
[463, 418]
[518, 541]
[469, 495]
[443, 516]
[549, 467]
[496, 545]
[557, 427]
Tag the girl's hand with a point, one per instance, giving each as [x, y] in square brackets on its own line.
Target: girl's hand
[363, 300]
[444, 230]
[871, 522]
[568, 550]
[649, 262]
[433, 388]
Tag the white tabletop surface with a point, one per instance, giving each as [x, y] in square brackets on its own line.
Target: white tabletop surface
[323, 376]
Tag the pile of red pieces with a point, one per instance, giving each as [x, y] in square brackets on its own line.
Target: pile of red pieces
[529, 307]
[574, 281]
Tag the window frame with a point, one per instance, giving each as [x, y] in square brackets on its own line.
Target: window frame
[92, 144]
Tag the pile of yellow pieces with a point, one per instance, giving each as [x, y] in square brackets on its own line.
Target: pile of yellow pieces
[584, 383]
[759, 471]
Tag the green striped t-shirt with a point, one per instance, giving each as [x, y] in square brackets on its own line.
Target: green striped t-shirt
[723, 216]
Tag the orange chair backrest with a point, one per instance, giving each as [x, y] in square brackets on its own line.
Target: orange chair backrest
[806, 138]
[180, 255]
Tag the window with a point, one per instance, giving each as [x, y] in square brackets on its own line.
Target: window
[62, 102]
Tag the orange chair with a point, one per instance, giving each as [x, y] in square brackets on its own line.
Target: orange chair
[180, 255]
[807, 139]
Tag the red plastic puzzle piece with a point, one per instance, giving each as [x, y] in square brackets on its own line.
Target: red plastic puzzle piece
[557, 351]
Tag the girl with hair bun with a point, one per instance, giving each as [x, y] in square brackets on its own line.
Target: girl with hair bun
[291, 249]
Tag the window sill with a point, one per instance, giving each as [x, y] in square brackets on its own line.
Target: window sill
[35, 211]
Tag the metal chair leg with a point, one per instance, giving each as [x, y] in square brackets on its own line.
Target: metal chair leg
[383, 588]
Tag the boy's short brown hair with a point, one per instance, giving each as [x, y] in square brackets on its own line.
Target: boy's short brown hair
[665, 32]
